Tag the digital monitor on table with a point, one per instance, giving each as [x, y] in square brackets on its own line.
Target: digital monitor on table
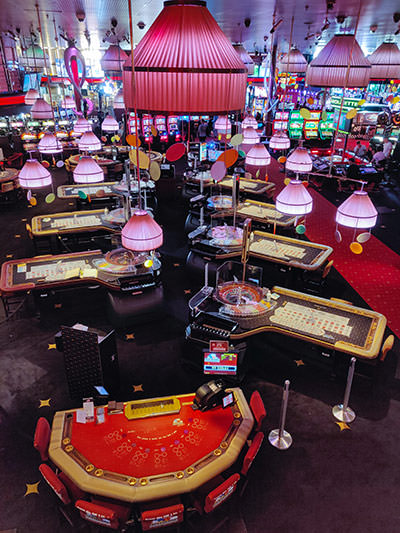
[214, 154]
[203, 152]
[220, 363]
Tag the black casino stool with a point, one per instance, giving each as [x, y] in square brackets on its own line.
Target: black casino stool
[128, 309]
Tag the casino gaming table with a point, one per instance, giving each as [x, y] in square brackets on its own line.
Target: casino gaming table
[101, 161]
[117, 270]
[164, 448]
[97, 190]
[259, 212]
[279, 249]
[249, 186]
[335, 325]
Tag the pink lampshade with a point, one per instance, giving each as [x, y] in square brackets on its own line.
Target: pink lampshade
[141, 233]
[33, 175]
[88, 171]
[89, 142]
[329, 68]
[250, 122]
[110, 124]
[119, 100]
[49, 144]
[250, 138]
[185, 65]
[244, 56]
[41, 110]
[82, 125]
[299, 161]
[294, 199]
[31, 96]
[68, 103]
[385, 62]
[113, 59]
[357, 211]
[258, 155]
[293, 62]
[223, 125]
[279, 141]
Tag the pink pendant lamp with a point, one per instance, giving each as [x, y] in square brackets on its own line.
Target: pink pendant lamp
[294, 199]
[293, 62]
[244, 56]
[257, 160]
[110, 124]
[299, 161]
[33, 175]
[88, 171]
[385, 62]
[279, 141]
[185, 65]
[141, 233]
[329, 68]
[31, 96]
[223, 125]
[82, 125]
[250, 138]
[249, 122]
[119, 100]
[357, 211]
[113, 59]
[41, 110]
[89, 142]
[68, 103]
[49, 144]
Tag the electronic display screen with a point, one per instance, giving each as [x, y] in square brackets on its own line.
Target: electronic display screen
[203, 152]
[214, 154]
[18, 124]
[228, 400]
[3, 124]
[278, 115]
[314, 115]
[220, 363]
[33, 124]
[101, 390]
[285, 115]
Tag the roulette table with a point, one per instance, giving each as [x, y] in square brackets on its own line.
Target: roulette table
[101, 161]
[227, 236]
[150, 449]
[249, 186]
[339, 326]
[219, 202]
[74, 222]
[117, 270]
[8, 174]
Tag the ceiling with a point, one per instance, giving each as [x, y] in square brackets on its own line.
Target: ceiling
[309, 17]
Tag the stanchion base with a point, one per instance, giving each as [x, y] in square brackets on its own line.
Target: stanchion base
[344, 415]
[283, 442]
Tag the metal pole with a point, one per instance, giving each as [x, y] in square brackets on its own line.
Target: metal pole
[279, 438]
[342, 411]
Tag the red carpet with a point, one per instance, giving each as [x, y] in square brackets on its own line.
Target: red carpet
[374, 274]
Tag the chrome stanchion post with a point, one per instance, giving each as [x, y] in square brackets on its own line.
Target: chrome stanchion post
[342, 411]
[280, 438]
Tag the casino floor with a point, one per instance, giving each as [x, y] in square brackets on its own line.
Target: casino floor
[329, 480]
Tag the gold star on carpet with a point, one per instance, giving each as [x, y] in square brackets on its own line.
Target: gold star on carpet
[130, 336]
[299, 362]
[51, 347]
[17, 236]
[137, 388]
[57, 306]
[70, 203]
[24, 219]
[343, 425]
[177, 264]
[44, 403]
[9, 256]
[188, 291]
[32, 488]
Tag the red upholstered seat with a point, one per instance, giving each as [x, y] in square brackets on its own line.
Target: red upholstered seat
[74, 491]
[258, 409]
[105, 512]
[55, 483]
[252, 452]
[221, 493]
[161, 513]
[42, 438]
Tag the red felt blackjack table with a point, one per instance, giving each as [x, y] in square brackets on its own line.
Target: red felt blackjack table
[150, 456]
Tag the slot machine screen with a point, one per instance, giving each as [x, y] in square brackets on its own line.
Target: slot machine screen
[213, 154]
[278, 115]
[203, 152]
[220, 363]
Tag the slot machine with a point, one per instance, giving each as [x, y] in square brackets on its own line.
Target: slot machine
[147, 122]
[132, 124]
[161, 126]
[311, 125]
[327, 127]
[173, 129]
[295, 126]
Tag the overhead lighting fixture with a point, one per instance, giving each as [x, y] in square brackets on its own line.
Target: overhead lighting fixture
[141, 233]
